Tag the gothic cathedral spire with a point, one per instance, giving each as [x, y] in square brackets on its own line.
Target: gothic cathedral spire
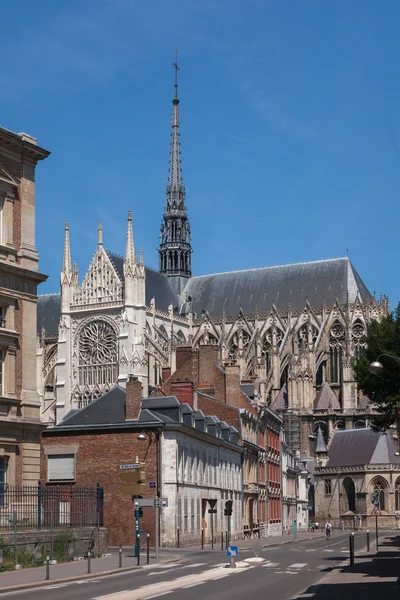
[175, 248]
[66, 272]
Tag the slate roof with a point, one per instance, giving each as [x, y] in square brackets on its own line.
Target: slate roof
[282, 400]
[365, 402]
[321, 446]
[281, 285]
[326, 398]
[109, 408]
[248, 390]
[361, 447]
[48, 313]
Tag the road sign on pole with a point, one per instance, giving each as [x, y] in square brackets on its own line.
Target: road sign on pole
[376, 512]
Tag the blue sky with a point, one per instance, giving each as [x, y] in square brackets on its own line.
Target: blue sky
[290, 127]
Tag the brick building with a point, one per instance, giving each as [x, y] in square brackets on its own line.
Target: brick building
[206, 384]
[19, 278]
[188, 457]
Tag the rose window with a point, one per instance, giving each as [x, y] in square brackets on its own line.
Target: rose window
[97, 354]
[337, 338]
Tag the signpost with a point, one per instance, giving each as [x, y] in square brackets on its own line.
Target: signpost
[212, 511]
[232, 552]
[376, 513]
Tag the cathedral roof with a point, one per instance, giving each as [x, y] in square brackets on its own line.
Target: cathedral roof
[281, 402]
[361, 447]
[48, 313]
[282, 286]
[326, 399]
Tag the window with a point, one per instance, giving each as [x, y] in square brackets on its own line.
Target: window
[185, 516]
[1, 219]
[328, 487]
[397, 495]
[192, 515]
[2, 316]
[61, 467]
[3, 479]
[180, 513]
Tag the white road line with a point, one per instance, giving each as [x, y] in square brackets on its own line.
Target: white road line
[345, 551]
[320, 567]
[193, 566]
[271, 564]
[154, 590]
[328, 550]
[313, 550]
[297, 565]
[54, 587]
[185, 587]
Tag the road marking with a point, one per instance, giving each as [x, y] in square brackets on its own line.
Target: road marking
[345, 551]
[193, 566]
[154, 590]
[185, 587]
[313, 550]
[297, 565]
[271, 564]
[328, 550]
[54, 587]
[320, 567]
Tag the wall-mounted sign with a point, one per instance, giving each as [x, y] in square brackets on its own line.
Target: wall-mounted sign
[129, 466]
[152, 484]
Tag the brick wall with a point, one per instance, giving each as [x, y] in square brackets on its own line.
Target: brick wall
[98, 459]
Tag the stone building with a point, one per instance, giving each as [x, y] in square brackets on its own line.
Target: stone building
[187, 457]
[289, 487]
[19, 278]
[293, 330]
[356, 464]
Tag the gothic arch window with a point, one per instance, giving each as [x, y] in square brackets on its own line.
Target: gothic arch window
[358, 336]
[340, 425]
[302, 338]
[359, 425]
[320, 376]
[284, 377]
[98, 354]
[266, 347]
[349, 495]
[397, 494]
[208, 338]
[233, 353]
[378, 484]
[337, 341]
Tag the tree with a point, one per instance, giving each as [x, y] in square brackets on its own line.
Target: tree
[383, 388]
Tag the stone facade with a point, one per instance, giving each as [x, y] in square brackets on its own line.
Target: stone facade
[289, 488]
[19, 278]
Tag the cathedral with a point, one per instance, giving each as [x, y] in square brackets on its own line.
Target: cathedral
[295, 330]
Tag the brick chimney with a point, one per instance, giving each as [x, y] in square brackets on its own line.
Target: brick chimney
[232, 384]
[133, 398]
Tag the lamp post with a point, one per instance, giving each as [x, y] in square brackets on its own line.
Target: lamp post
[376, 368]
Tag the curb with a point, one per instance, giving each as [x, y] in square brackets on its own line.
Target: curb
[47, 582]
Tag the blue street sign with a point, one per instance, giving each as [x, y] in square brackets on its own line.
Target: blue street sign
[232, 551]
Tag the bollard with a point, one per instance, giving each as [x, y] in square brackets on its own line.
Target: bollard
[148, 548]
[367, 540]
[226, 539]
[351, 545]
[48, 565]
[222, 541]
[88, 562]
[120, 556]
[138, 550]
[202, 538]
[177, 536]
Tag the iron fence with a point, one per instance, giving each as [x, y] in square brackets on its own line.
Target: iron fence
[55, 506]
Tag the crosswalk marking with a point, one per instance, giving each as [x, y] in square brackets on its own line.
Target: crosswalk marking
[270, 565]
[328, 550]
[297, 565]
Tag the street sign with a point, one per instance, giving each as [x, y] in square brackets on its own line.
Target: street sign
[132, 489]
[129, 466]
[212, 511]
[150, 502]
[152, 484]
[132, 476]
[376, 512]
[375, 498]
[232, 551]
[309, 507]
[212, 503]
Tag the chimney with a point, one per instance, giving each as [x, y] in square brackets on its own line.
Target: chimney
[232, 384]
[166, 373]
[133, 398]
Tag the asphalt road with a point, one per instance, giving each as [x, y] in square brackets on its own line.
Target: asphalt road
[285, 571]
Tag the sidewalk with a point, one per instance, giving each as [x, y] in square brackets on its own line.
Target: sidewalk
[36, 577]
[374, 576]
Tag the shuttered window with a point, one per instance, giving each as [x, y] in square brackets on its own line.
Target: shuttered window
[61, 467]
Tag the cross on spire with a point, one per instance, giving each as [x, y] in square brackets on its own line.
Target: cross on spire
[176, 71]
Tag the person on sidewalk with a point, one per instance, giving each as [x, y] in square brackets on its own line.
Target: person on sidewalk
[316, 525]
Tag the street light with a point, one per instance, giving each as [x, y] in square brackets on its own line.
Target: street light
[376, 368]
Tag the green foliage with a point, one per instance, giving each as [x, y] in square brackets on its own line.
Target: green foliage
[384, 388]
[61, 545]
